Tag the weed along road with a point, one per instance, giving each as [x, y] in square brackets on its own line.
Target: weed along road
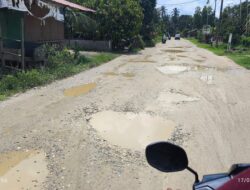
[90, 131]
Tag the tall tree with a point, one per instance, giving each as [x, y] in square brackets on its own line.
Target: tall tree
[118, 20]
[207, 15]
[175, 19]
[198, 18]
[148, 26]
[165, 20]
[185, 23]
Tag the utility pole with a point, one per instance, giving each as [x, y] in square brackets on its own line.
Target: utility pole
[220, 19]
[247, 20]
[240, 11]
[22, 44]
[220, 22]
[215, 6]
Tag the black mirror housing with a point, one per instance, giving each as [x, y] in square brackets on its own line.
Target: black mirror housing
[166, 157]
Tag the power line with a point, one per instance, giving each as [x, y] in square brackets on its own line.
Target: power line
[188, 2]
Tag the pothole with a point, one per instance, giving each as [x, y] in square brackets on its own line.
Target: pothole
[174, 97]
[144, 59]
[207, 78]
[22, 170]
[176, 69]
[141, 61]
[173, 69]
[199, 60]
[173, 50]
[127, 75]
[110, 74]
[130, 130]
[79, 90]
[182, 56]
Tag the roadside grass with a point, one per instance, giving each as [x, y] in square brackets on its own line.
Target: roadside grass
[62, 65]
[240, 57]
[216, 50]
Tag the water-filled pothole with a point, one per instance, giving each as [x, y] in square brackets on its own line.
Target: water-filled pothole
[22, 170]
[79, 90]
[130, 130]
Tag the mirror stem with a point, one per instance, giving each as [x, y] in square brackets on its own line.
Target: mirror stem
[195, 174]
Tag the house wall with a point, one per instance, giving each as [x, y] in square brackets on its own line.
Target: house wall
[10, 21]
[39, 31]
[36, 32]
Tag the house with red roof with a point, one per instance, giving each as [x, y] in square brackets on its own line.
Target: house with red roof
[26, 24]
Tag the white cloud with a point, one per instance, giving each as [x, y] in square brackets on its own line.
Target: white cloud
[189, 8]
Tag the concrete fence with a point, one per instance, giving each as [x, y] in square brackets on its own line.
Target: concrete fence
[90, 45]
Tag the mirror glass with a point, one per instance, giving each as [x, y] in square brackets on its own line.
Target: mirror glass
[166, 157]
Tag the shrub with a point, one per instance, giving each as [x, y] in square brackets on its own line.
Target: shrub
[199, 36]
[9, 82]
[150, 43]
[30, 79]
[137, 43]
[245, 41]
[60, 57]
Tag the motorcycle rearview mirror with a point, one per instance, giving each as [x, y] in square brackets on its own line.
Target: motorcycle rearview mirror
[167, 157]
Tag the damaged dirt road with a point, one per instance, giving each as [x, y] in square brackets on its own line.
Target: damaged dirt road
[89, 131]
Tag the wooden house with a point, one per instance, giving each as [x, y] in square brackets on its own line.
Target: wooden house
[26, 24]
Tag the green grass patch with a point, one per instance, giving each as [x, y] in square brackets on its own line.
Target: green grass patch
[62, 64]
[240, 57]
[216, 50]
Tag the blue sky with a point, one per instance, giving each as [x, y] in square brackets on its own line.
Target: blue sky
[188, 6]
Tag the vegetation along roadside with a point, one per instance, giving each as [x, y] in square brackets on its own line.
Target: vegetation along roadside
[241, 55]
[61, 64]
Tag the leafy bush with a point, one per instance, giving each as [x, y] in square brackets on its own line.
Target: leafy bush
[9, 82]
[246, 41]
[150, 43]
[61, 57]
[137, 43]
[199, 36]
[30, 79]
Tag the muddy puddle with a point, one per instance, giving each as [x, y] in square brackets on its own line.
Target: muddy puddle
[79, 90]
[22, 170]
[130, 130]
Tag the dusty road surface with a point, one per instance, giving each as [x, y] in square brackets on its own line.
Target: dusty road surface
[89, 131]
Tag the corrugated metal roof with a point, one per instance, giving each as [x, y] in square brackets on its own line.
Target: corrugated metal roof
[72, 5]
